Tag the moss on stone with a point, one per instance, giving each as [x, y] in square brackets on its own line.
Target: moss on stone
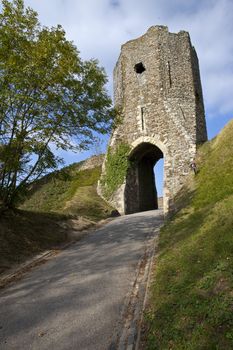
[116, 166]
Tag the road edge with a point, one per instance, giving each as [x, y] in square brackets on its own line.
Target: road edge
[127, 334]
[18, 272]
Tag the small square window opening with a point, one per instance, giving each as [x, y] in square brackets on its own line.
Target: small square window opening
[139, 68]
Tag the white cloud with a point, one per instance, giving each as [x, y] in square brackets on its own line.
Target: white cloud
[99, 27]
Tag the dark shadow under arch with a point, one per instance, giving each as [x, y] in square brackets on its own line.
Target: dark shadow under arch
[140, 189]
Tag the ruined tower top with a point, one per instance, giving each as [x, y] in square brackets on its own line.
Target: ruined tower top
[157, 86]
[162, 66]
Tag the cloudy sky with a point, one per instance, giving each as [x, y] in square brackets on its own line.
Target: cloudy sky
[99, 27]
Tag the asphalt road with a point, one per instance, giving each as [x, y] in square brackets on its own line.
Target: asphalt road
[74, 301]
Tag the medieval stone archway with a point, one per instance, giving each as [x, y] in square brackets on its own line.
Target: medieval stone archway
[140, 193]
[140, 187]
[157, 87]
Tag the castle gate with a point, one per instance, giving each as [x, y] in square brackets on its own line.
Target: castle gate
[158, 89]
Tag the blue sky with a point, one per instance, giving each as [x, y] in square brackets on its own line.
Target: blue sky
[99, 28]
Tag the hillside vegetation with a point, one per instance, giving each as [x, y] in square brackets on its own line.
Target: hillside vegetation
[191, 300]
[60, 202]
[69, 191]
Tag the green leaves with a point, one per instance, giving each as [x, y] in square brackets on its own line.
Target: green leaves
[116, 167]
[48, 95]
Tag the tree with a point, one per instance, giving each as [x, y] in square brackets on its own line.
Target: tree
[48, 97]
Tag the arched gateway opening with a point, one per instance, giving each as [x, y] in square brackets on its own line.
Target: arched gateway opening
[140, 188]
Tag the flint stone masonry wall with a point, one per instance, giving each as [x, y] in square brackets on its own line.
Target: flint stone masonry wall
[92, 162]
[161, 106]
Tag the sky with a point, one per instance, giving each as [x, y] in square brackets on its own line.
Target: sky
[99, 27]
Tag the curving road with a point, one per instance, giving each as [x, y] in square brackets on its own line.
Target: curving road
[75, 300]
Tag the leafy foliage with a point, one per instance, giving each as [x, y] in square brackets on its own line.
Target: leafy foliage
[49, 98]
[191, 294]
[117, 164]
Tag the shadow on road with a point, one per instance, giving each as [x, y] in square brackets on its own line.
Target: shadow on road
[74, 300]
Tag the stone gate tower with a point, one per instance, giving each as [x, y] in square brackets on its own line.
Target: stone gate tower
[158, 89]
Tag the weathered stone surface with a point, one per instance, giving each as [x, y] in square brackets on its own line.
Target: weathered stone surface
[92, 162]
[157, 85]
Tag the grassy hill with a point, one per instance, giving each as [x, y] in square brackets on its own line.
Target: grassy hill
[191, 296]
[70, 191]
[54, 206]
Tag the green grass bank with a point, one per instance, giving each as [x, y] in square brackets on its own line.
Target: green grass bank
[191, 295]
[71, 192]
[55, 206]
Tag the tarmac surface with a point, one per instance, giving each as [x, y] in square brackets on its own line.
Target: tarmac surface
[75, 300]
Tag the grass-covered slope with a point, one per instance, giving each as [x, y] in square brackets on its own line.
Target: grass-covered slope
[24, 234]
[69, 191]
[43, 220]
[191, 303]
